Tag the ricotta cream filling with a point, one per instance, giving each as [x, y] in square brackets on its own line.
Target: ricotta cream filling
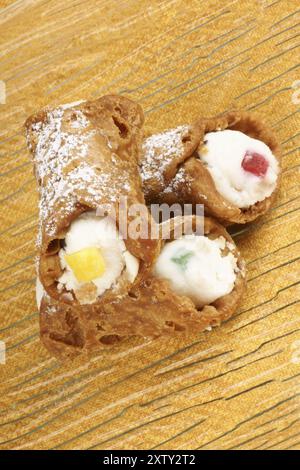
[196, 267]
[223, 153]
[90, 231]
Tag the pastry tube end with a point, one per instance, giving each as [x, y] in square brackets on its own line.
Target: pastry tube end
[151, 309]
[85, 158]
[194, 178]
[217, 205]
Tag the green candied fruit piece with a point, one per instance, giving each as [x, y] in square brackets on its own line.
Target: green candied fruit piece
[183, 259]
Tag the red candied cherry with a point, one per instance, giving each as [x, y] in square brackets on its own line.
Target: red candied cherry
[255, 163]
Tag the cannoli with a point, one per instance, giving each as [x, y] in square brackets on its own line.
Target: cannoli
[195, 283]
[85, 157]
[231, 164]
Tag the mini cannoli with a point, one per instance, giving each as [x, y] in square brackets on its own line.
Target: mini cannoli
[230, 164]
[85, 157]
[196, 282]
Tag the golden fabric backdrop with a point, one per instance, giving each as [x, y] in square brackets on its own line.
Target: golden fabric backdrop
[235, 387]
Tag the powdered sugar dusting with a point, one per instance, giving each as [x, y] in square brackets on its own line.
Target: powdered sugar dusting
[55, 149]
[159, 150]
[50, 309]
[180, 178]
[62, 167]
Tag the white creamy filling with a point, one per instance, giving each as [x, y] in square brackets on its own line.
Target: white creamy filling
[223, 153]
[39, 292]
[195, 267]
[87, 231]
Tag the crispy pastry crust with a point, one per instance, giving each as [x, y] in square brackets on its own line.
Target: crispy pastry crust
[86, 156]
[150, 310]
[189, 181]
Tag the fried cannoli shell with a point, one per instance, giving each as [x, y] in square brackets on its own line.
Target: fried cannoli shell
[85, 157]
[189, 181]
[159, 167]
[150, 310]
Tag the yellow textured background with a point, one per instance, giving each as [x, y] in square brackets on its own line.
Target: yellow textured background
[237, 387]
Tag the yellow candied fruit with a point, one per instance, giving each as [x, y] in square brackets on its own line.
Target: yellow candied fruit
[87, 264]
